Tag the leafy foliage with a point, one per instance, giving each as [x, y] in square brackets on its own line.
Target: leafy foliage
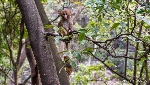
[9, 38]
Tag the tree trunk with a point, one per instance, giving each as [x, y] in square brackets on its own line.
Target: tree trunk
[38, 42]
[35, 78]
[63, 78]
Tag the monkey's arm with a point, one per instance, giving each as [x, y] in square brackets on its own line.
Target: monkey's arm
[51, 34]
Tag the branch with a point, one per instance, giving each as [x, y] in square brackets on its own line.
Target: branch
[7, 75]
[55, 19]
[140, 40]
[20, 41]
[112, 70]
[142, 4]
[117, 37]
[51, 34]
[25, 81]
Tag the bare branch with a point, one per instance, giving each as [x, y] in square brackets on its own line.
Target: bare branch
[7, 75]
[112, 69]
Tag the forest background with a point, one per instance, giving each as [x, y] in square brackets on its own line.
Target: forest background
[111, 47]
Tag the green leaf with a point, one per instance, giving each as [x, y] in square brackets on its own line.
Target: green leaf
[62, 52]
[99, 8]
[44, 1]
[73, 64]
[114, 25]
[87, 50]
[79, 57]
[81, 36]
[147, 26]
[118, 1]
[106, 25]
[82, 30]
[99, 18]
[28, 46]
[48, 26]
[141, 11]
[65, 37]
[143, 59]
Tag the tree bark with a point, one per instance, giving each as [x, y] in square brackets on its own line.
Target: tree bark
[38, 43]
[35, 78]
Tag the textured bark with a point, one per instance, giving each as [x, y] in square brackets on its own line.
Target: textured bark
[63, 78]
[35, 78]
[38, 43]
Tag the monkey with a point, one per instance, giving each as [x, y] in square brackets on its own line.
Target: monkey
[68, 67]
[66, 22]
[65, 25]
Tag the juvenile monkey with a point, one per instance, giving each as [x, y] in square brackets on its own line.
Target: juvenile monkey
[65, 25]
[68, 67]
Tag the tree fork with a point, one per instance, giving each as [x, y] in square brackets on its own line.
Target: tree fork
[44, 58]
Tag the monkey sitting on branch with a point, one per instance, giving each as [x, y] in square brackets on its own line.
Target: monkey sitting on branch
[66, 27]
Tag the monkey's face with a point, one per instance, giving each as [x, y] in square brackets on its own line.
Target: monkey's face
[65, 14]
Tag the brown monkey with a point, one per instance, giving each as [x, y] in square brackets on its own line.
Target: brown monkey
[68, 67]
[65, 25]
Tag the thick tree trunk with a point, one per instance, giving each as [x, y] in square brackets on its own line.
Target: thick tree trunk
[63, 78]
[38, 43]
